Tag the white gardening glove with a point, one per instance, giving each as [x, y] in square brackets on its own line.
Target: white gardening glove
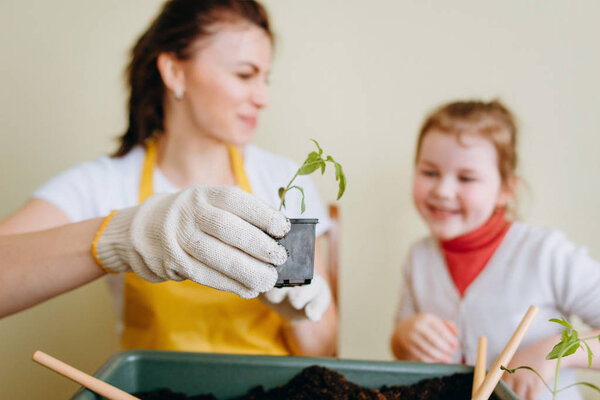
[298, 303]
[212, 235]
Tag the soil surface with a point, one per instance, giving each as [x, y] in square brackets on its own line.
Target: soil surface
[317, 382]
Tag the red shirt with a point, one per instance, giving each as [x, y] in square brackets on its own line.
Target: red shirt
[467, 255]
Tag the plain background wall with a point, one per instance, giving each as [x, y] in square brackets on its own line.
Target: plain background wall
[357, 76]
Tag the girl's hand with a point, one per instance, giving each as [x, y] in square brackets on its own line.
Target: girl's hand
[425, 338]
[526, 384]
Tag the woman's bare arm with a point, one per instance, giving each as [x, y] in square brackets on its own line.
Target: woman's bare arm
[36, 266]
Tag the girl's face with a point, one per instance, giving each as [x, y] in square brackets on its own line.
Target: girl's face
[457, 184]
[225, 82]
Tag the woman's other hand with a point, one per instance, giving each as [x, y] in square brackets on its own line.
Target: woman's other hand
[300, 302]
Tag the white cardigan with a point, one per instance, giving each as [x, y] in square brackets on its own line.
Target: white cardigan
[532, 266]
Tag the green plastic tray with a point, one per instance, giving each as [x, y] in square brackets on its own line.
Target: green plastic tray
[230, 375]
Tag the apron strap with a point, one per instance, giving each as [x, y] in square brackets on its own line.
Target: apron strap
[146, 183]
[237, 164]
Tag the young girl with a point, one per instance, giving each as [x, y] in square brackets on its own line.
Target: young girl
[478, 272]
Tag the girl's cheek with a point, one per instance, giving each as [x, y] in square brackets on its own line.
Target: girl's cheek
[419, 192]
[479, 202]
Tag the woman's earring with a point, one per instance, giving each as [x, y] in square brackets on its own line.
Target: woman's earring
[178, 91]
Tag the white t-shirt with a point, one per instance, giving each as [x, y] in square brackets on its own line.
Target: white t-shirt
[95, 188]
[532, 266]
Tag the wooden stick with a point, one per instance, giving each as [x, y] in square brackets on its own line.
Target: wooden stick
[88, 381]
[493, 376]
[479, 372]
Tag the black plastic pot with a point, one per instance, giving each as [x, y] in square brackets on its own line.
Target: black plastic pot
[300, 246]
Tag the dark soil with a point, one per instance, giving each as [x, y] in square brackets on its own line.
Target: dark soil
[322, 383]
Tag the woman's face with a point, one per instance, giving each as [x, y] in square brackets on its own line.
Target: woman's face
[225, 82]
[457, 184]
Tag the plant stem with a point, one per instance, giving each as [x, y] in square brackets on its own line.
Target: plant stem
[555, 391]
[286, 190]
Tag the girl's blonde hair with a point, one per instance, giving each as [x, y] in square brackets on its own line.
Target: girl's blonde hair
[492, 120]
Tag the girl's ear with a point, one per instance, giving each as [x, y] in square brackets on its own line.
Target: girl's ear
[171, 72]
[507, 191]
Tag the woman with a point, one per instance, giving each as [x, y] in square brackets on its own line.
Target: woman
[198, 82]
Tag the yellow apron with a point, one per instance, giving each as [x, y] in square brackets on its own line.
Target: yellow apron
[190, 317]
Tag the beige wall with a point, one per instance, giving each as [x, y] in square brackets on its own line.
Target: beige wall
[358, 76]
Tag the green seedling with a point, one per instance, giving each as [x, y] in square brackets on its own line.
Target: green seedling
[313, 162]
[569, 344]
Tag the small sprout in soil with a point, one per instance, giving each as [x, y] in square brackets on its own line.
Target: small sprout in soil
[569, 344]
[313, 162]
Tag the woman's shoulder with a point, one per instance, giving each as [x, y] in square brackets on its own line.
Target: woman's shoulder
[105, 165]
[90, 188]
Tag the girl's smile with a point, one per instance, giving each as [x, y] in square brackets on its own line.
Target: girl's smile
[442, 213]
[457, 184]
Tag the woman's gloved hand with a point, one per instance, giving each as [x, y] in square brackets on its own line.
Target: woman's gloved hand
[300, 302]
[212, 235]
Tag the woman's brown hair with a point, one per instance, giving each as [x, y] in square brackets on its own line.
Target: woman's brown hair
[492, 120]
[177, 27]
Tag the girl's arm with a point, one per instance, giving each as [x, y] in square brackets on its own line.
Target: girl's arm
[528, 385]
[309, 338]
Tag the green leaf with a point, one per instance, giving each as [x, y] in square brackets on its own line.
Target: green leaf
[562, 322]
[342, 187]
[563, 348]
[302, 205]
[339, 176]
[318, 147]
[573, 347]
[309, 168]
[282, 193]
[312, 162]
[556, 351]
